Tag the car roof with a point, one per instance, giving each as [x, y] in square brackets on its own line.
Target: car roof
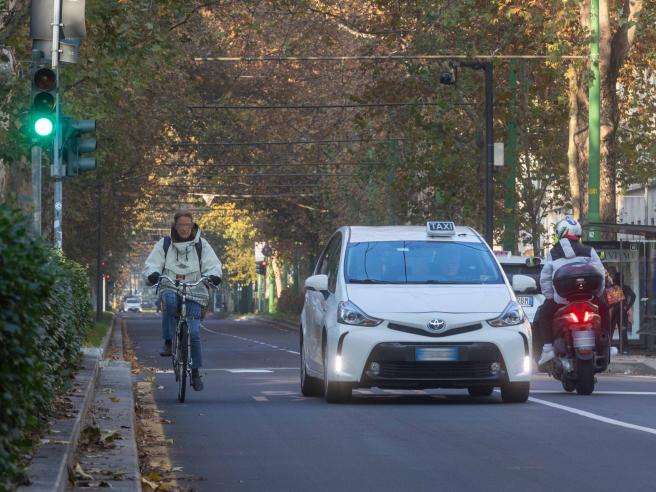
[359, 234]
[514, 260]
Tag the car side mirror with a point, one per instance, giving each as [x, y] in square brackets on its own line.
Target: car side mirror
[524, 284]
[318, 283]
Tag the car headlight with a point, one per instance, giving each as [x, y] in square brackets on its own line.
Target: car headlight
[513, 314]
[350, 314]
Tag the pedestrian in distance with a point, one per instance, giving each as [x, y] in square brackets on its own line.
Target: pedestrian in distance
[622, 311]
[186, 256]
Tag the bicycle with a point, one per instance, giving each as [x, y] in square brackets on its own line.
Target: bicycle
[181, 347]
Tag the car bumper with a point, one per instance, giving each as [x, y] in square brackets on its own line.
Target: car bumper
[484, 356]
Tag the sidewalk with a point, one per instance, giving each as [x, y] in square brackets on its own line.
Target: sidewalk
[101, 419]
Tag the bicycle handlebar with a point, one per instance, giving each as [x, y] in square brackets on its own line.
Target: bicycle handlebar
[179, 283]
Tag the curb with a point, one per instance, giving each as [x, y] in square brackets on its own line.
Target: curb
[51, 462]
[48, 470]
[631, 368]
[288, 325]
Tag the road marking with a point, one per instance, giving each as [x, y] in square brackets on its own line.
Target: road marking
[260, 398]
[594, 416]
[275, 347]
[641, 393]
[240, 371]
[279, 393]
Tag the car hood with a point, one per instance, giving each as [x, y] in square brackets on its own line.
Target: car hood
[377, 300]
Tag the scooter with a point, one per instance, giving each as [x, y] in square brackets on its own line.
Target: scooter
[581, 344]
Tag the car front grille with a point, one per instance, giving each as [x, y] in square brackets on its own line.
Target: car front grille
[435, 370]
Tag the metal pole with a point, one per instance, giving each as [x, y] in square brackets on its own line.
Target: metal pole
[594, 131]
[260, 293]
[99, 273]
[509, 241]
[56, 146]
[36, 190]
[272, 289]
[489, 142]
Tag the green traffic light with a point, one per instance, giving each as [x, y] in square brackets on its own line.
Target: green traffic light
[43, 126]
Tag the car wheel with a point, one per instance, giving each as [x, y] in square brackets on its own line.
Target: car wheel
[334, 391]
[480, 390]
[310, 386]
[515, 392]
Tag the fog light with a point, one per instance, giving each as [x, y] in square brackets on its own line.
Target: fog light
[338, 363]
[374, 368]
[495, 368]
[527, 364]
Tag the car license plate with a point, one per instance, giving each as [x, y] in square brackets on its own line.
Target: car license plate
[436, 353]
[525, 301]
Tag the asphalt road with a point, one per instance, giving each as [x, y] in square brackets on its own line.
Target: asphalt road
[252, 430]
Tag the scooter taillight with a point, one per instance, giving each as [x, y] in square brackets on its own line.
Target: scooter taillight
[575, 318]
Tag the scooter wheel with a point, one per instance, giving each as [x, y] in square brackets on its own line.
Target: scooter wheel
[568, 386]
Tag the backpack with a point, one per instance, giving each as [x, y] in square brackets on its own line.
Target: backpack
[199, 251]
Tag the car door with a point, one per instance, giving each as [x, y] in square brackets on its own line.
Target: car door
[327, 265]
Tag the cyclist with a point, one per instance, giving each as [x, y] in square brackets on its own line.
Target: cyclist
[186, 256]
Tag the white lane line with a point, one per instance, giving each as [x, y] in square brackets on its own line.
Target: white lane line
[234, 369]
[275, 347]
[594, 416]
[260, 398]
[247, 371]
[641, 393]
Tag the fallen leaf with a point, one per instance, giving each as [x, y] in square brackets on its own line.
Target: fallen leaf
[149, 483]
[154, 476]
[115, 399]
[81, 474]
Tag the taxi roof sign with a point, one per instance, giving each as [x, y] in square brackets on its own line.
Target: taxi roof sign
[440, 228]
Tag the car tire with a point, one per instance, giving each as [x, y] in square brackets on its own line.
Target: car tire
[310, 386]
[515, 392]
[334, 391]
[480, 390]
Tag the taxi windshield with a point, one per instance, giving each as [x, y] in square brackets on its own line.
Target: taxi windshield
[420, 262]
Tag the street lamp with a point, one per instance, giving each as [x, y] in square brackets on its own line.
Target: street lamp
[449, 78]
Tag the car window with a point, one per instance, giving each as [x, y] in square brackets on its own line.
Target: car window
[329, 264]
[421, 262]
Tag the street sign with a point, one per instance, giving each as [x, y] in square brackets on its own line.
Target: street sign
[259, 256]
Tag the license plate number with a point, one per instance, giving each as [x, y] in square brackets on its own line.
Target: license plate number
[525, 301]
[436, 354]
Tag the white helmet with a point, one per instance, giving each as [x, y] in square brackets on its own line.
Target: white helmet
[568, 227]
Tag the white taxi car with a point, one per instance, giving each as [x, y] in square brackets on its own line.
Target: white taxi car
[412, 307]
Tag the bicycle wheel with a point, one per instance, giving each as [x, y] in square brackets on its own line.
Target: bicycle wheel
[174, 354]
[183, 360]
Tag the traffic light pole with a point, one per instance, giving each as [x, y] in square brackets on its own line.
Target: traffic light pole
[36, 190]
[56, 170]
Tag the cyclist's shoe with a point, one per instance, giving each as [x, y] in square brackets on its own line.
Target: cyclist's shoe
[196, 381]
[166, 351]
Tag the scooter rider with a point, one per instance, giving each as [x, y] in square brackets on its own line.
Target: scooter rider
[567, 250]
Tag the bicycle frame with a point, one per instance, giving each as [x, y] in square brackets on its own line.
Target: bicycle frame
[181, 373]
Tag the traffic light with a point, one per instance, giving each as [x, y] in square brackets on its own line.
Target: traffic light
[74, 146]
[260, 267]
[43, 107]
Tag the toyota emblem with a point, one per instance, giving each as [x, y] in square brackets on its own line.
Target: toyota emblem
[436, 324]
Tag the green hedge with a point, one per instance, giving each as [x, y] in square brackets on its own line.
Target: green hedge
[44, 314]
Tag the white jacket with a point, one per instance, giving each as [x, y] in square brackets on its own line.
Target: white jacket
[565, 253]
[181, 262]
